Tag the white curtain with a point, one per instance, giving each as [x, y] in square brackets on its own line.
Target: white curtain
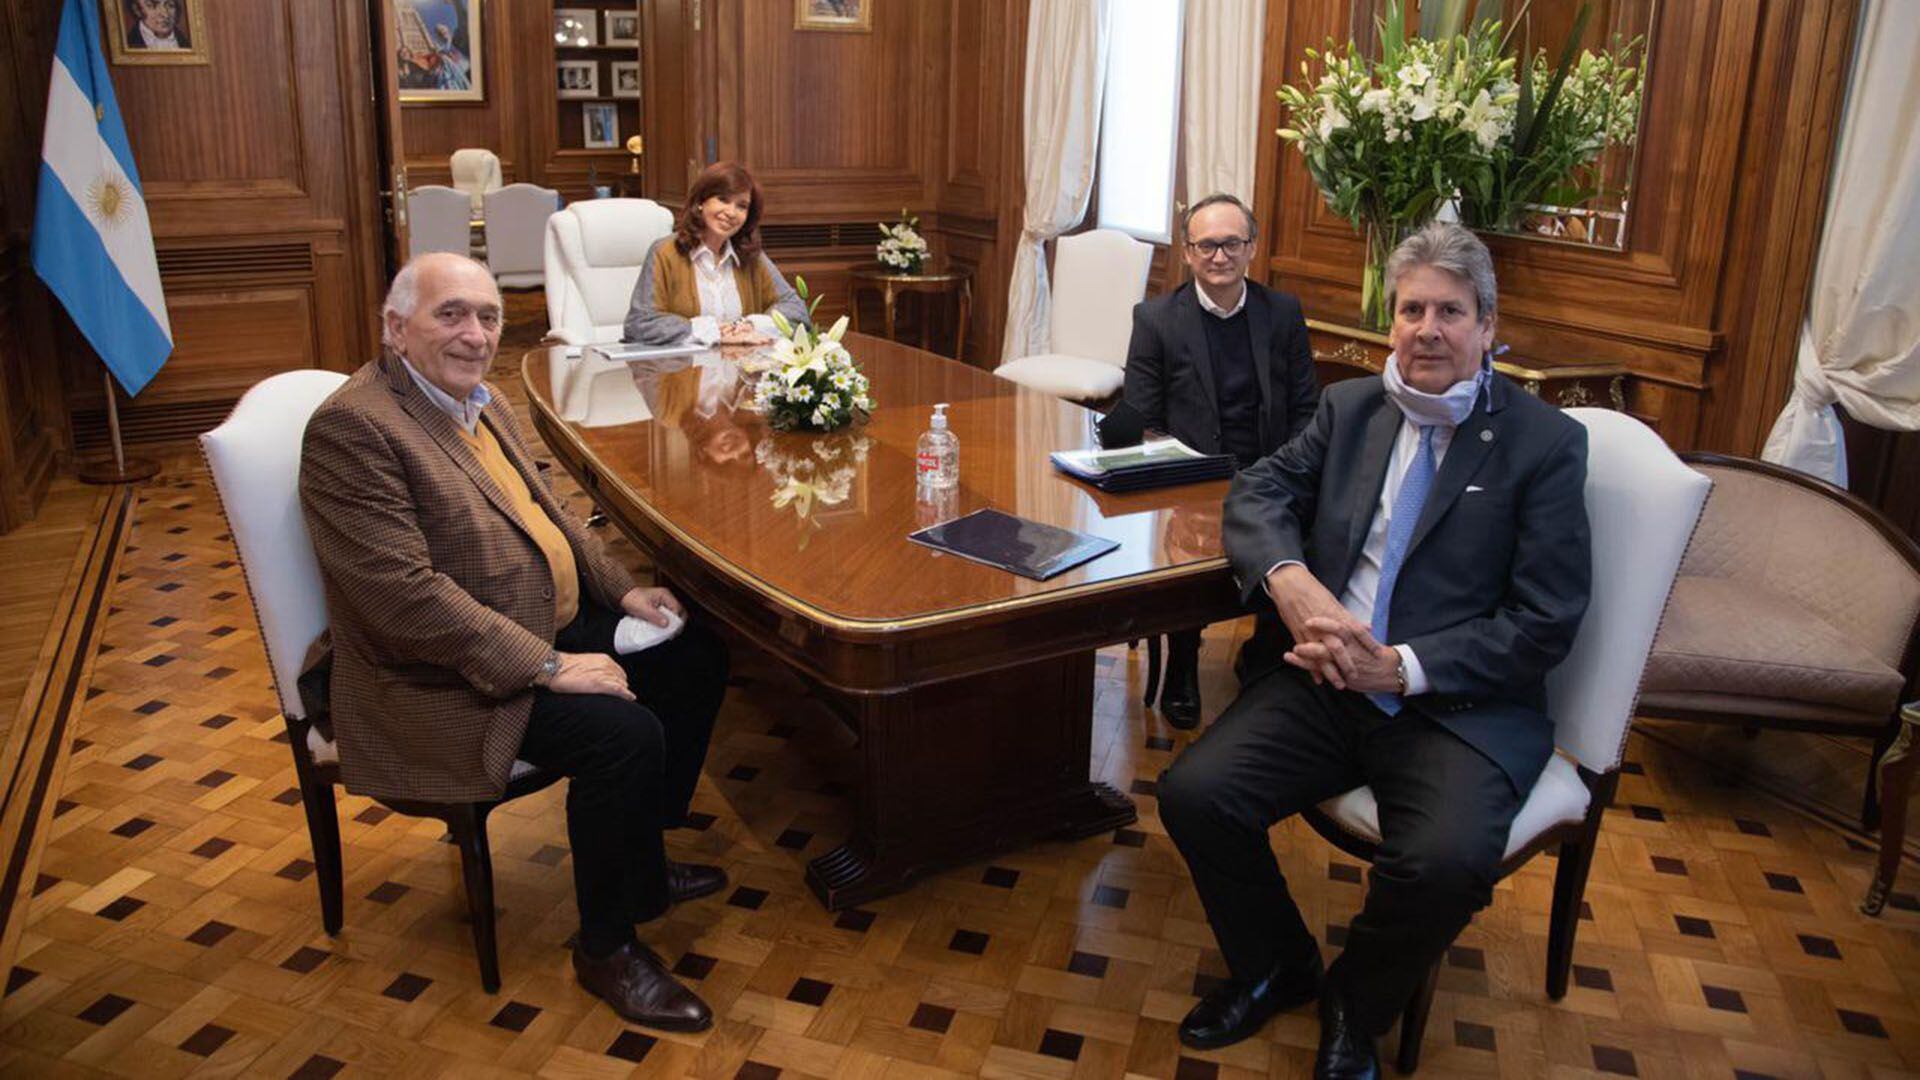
[1066, 72]
[1220, 95]
[1860, 344]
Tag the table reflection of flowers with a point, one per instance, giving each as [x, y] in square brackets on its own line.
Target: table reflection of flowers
[811, 473]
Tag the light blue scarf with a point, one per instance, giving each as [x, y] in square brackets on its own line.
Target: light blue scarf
[1449, 409]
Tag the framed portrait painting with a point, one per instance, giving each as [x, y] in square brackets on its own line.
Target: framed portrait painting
[623, 27]
[602, 125]
[845, 15]
[437, 50]
[155, 31]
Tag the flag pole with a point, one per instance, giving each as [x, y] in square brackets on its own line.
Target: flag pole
[123, 470]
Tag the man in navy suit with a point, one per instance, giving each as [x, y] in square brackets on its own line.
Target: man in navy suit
[1222, 364]
[1425, 542]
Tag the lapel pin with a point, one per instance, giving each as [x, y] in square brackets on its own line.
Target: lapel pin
[1486, 434]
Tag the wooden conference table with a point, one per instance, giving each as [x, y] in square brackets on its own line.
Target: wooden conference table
[971, 689]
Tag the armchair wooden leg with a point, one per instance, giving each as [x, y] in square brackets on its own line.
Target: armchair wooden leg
[468, 824]
[1153, 671]
[323, 832]
[1413, 1023]
[1570, 886]
[1896, 776]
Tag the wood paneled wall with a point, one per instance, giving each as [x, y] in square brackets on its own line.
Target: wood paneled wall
[260, 183]
[1703, 306]
[32, 417]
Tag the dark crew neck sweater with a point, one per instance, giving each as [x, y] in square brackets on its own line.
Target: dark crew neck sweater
[1230, 343]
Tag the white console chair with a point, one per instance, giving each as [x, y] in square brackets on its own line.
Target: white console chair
[516, 225]
[438, 219]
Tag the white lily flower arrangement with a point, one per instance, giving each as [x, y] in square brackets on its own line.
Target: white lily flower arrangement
[1460, 112]
[901, 245]
[813, 383]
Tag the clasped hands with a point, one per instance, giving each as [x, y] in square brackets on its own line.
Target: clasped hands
[599, 673]
[741, 332]
[1329, 643]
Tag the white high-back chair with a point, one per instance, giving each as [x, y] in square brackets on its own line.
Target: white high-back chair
[1642, 503]
[1097, 278]
[438, 219]
[516, 223]
[475, 172]
[254, 457]
[594, 250]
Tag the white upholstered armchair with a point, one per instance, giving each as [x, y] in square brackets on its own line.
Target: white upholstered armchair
[1097, 278]
[1643, 503]
[593, 254]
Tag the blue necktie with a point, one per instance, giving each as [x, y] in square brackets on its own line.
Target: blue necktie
[1406, 514]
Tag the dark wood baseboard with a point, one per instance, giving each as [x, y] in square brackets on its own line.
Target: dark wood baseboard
[33, 761]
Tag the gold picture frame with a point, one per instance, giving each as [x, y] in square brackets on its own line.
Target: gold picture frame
[439, 63]
[132, 27]
[845, 16]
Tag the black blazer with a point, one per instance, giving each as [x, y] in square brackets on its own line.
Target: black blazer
[1170, 375]
[1496, 578]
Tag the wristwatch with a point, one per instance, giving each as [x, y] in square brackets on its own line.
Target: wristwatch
[1400, 672]
[550, 667]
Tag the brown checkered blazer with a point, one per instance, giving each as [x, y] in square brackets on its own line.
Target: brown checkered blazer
[441, 604]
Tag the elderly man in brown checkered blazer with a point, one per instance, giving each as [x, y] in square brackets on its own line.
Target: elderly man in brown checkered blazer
[473, 621]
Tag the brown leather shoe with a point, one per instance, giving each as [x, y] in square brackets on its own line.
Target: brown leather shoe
[691, 881]
[637, 985]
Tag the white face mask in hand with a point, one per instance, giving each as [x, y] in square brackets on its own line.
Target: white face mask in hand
[1450, 409]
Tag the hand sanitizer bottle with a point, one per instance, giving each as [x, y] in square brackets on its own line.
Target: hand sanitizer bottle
[937, 458]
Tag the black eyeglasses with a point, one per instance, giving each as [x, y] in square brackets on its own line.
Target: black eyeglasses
[1231, 247]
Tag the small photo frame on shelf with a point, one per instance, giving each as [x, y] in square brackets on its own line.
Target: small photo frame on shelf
[155, 31]
[601, 124]
[436, 50]
[578, 78]
[576, 28]
[626, 78]
[854, 16]
[623, 28]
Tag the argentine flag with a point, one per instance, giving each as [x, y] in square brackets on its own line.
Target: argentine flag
[92, 243]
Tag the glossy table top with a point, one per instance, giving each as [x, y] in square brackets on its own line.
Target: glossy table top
[819, 523]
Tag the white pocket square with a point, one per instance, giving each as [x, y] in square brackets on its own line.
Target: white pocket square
[1471, 488]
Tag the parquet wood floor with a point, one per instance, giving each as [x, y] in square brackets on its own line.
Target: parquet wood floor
[174, 928]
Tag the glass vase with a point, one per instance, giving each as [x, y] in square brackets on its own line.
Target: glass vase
[1382, 238]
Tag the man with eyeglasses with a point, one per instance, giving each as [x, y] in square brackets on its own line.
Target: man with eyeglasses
[1222, 364]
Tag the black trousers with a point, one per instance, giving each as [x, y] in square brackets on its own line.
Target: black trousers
[632, 766]
[1285, 745]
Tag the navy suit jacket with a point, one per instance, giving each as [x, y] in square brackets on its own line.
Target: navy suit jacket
[1170, 371]
[1495, 579]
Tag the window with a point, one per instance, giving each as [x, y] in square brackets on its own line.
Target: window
[1139, 117]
